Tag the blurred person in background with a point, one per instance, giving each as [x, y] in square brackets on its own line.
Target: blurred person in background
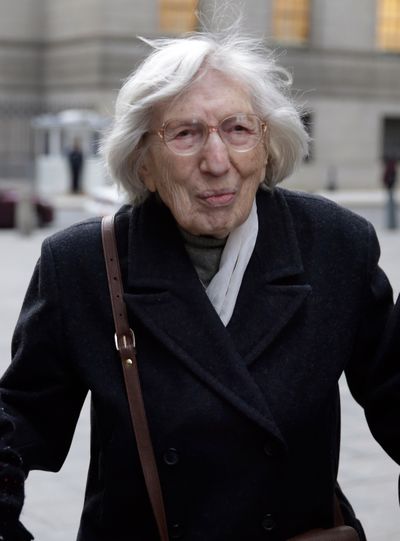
[390, 173]
[389, 182]
[248, 301]
[75, 161]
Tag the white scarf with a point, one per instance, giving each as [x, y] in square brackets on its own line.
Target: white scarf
[224, 287]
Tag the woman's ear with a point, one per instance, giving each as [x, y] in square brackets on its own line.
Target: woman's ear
[146, 175]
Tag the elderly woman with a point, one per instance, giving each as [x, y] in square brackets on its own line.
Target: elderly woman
[247, 303]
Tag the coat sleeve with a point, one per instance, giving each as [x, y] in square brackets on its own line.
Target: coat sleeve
[383, 404]
[373, 374]
[40, 394]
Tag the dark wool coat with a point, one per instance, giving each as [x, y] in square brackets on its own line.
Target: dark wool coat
[244, 419]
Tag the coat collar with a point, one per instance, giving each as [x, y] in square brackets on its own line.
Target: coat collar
[156, 250]
[165, 293]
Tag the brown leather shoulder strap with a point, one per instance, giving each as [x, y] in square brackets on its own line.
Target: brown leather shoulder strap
[125, 343]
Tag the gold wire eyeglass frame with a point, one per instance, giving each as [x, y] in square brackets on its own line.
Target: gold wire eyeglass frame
[209, 130]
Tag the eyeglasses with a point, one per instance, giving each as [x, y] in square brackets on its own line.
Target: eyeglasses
[241, 132]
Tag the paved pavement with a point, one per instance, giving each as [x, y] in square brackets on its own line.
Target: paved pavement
[54, 501]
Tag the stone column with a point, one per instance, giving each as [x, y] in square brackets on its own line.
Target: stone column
[55, 141]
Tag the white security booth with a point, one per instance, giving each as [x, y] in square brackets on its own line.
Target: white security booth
[54, 137]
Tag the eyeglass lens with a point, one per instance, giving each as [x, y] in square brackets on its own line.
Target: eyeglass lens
[241, 132]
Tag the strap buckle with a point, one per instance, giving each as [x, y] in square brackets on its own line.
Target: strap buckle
[125, 340]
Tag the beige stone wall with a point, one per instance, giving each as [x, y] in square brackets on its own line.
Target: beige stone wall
[21, 30]
[72, 19]
[347, 136]
[341, 24]
[255, 18]
[57, 54]
[21, 20]
[128, 18]
[92, 46]
[85, 19]
[344, 73]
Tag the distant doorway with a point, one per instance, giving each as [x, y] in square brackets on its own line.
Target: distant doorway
[391, 138]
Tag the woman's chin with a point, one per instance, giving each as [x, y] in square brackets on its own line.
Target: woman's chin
[217, 230]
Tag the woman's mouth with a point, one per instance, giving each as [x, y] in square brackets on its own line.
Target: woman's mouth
[218, 199]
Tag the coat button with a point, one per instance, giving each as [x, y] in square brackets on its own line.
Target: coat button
[270, 449]
[268, 523]
[171, 457]
[176, 531]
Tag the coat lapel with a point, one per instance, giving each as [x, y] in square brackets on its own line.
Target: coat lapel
[165, 293]
[272, 290]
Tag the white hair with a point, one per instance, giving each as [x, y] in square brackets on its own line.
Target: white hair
[171, 68]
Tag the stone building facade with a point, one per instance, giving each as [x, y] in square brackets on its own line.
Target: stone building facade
[63, 54]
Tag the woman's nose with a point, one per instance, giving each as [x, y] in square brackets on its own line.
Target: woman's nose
[215, 156]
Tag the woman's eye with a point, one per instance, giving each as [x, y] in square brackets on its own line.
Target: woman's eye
[236, 128]
[184, 133]
[239, 128]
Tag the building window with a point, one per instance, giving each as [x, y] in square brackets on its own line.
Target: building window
[291, 21]
[389, 25]
[178, 15]
[391, 138]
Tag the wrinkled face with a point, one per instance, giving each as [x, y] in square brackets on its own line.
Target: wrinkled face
[212, 191]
